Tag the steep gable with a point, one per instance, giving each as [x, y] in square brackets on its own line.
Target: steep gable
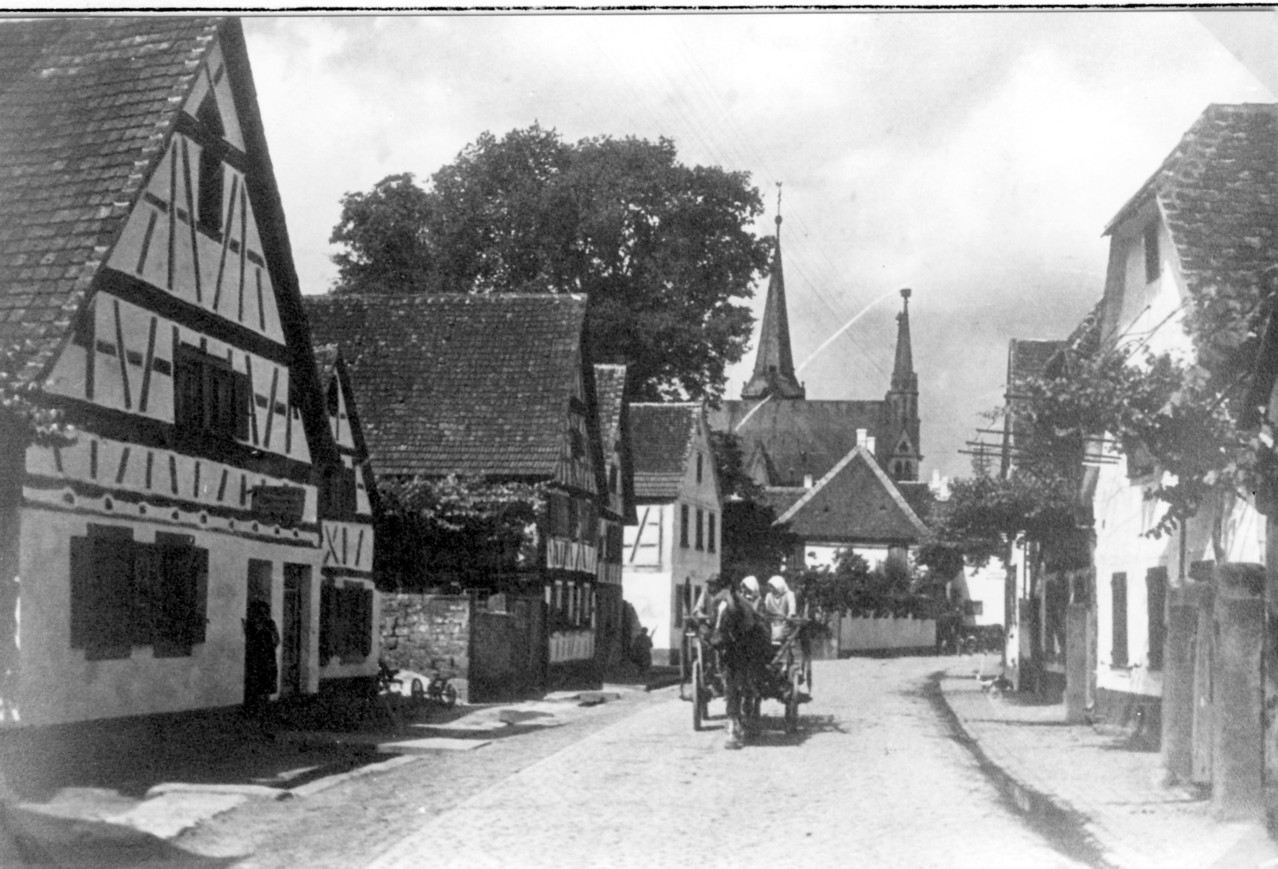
[614, 428]
[1218, 193]
[663, 436]
[460, 383]
[854, 502]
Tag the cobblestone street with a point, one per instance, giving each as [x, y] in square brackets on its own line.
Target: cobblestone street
[873, 778]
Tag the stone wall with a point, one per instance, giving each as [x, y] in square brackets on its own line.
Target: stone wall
[425, 632]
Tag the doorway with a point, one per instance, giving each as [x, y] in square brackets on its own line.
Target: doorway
[296, 586]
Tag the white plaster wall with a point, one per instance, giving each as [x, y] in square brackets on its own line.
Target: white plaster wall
[58, 685]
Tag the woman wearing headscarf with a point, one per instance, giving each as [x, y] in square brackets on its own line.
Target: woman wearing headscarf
[780, 606]
[750, 591]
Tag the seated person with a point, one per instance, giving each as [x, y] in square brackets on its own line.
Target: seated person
[779, 605]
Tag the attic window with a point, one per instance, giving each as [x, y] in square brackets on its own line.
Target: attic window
[211, 174]
[1152, 267]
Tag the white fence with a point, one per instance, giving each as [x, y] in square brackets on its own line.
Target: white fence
[872, 635]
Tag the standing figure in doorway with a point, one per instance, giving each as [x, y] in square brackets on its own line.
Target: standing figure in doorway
[261, 673]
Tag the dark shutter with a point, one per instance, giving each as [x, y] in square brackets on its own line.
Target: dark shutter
[112, 597]
[1156, 596]
[365, 622]
[149, 603]
[81, 590]
[328, 613]
[1118, 587]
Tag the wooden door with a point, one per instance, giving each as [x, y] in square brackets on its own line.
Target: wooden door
[293, 615]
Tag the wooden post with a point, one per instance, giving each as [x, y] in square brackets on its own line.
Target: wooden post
[1237, 786]
[1178, 684]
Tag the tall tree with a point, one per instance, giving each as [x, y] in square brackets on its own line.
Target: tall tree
[663, 250]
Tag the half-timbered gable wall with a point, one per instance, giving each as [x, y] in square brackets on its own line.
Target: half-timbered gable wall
[188, 490]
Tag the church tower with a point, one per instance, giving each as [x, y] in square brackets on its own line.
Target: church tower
[773, 364]
[900, 454]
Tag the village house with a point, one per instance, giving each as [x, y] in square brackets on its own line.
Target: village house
[617, 510]
[674, 547]
[810, 454]
[498, 389]
[1177, 635]
[147, 292]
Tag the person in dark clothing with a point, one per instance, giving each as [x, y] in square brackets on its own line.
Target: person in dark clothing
[261, 674]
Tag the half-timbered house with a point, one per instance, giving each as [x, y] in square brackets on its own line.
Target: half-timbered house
[674, 547]
[617, 509]
[497, 388]
[148, 290]
[349, 638]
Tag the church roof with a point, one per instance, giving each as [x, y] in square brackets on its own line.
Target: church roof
[800, 437]
[458, 383]
[661, 437]
[854, 502]
[86, 105]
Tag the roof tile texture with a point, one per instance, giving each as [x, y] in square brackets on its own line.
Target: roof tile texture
[458, 383]
[661, 437]
[86, 105]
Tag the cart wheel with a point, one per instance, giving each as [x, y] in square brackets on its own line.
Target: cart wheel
[792, 705]
[450, 696]
[698, 697]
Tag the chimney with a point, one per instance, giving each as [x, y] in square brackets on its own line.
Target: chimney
[869, 445]
[860, 436]
[807, 481]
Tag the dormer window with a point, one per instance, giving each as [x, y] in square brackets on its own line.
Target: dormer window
[213, 149]
[1152, 265]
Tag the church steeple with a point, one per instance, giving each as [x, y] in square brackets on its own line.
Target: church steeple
[903, 456]
[903, 377]
[773, 363]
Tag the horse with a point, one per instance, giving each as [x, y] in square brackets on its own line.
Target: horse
[741, 637]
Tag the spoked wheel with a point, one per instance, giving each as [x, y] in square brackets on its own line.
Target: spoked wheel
[792, 704]
[698, 696]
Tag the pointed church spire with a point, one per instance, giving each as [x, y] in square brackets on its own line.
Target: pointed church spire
[903, 377]
[773, 363]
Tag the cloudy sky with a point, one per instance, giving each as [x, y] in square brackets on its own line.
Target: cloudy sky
[972, 156]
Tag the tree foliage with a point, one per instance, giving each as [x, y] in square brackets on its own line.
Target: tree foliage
[852, 587]
[24, 419]
[459, 532]
[662, 249]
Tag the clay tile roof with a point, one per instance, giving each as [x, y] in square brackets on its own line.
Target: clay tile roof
[458, 383]
[86, 105]
[661, 438]
[1218, 190]
[610, 389]
[801, 438]
[326, 362]
[854, 502]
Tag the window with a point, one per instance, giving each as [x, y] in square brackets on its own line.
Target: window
[1156, 591]
[701, 540]
[1152, 267]
[558, 514]
[710, 537]
[338, 493]
[613, 477]
[212, 150]
[208, 396]
[1118, 588]
[346, 622]
[683, 525]
[698, 467]
[574, 519]
[577, 442]
[126, 594]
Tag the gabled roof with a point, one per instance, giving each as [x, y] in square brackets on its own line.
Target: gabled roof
[86, 107]
[662, 436]
[800, 437]
[333, 373]
[614, 427]
[1218, 191]
[459, 383]
[854, 503]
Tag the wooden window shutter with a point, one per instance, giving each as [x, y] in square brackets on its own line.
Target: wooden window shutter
[1156, 589]
[365, 621]
[81, 590]
[1118, 587]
